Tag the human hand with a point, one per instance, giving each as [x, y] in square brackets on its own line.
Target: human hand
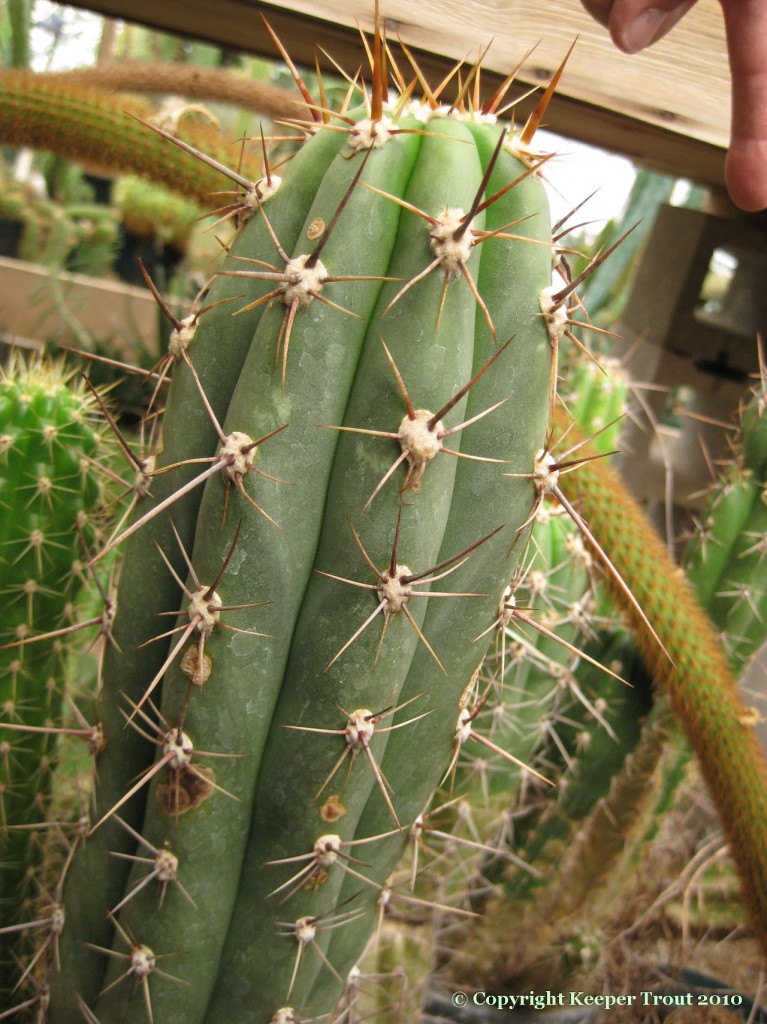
[635, 24]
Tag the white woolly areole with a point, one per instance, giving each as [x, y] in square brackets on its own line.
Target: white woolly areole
[419, 110]
[522, 151]
[239, 453]
[305, 929]
[142, 960]
[360, 728]
[56, 920]
[545, 476]
[576, 546]
[419, 440]
[142, 481]
[450, 251]
[424, 112]
[473, 117]
[392, 590]
[180, 746]
[204, 607]
[326, 850]
[554, 314]
[443, 110]
[285, 1015]
[182, 337]
[507, 606]
[261, 190]
[166, 866]
[370, 134]
[464, 726]
[301, 282]
[537, 582]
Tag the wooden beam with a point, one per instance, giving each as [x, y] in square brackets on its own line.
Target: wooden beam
[667, 108]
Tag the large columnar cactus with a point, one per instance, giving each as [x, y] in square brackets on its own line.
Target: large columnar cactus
[343, 489]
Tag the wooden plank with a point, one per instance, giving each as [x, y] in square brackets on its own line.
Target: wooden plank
[38, 305]
[667, 107]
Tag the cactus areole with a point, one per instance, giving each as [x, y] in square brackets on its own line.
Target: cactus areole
[392, 395]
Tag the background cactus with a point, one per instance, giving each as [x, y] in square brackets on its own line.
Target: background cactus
[294, 520]
[564, 864]
[725, 559]
[609, 850]
[51, 442]
[90, 126]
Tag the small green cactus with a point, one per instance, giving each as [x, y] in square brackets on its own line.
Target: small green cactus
[51, 440]
[726, 558]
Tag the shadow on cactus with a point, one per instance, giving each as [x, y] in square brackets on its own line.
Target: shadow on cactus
[306, 560]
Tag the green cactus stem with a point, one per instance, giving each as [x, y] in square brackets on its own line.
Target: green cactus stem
[725, 560]
[151, 211]
[368, 357]
[596, 395]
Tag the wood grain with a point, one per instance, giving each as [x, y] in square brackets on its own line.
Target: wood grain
[668, 107]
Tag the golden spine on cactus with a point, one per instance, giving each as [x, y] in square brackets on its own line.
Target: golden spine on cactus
[694, 672]
[187, 80]
[100, 130]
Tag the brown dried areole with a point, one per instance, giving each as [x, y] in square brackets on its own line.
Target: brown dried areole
[184, 789]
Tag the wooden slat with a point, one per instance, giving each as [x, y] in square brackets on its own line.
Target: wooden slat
[38, 305]
[667, 107]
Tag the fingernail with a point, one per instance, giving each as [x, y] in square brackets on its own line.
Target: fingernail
[644, 29]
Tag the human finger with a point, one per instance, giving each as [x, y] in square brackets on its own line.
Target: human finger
[636, 24]
[746, 167]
